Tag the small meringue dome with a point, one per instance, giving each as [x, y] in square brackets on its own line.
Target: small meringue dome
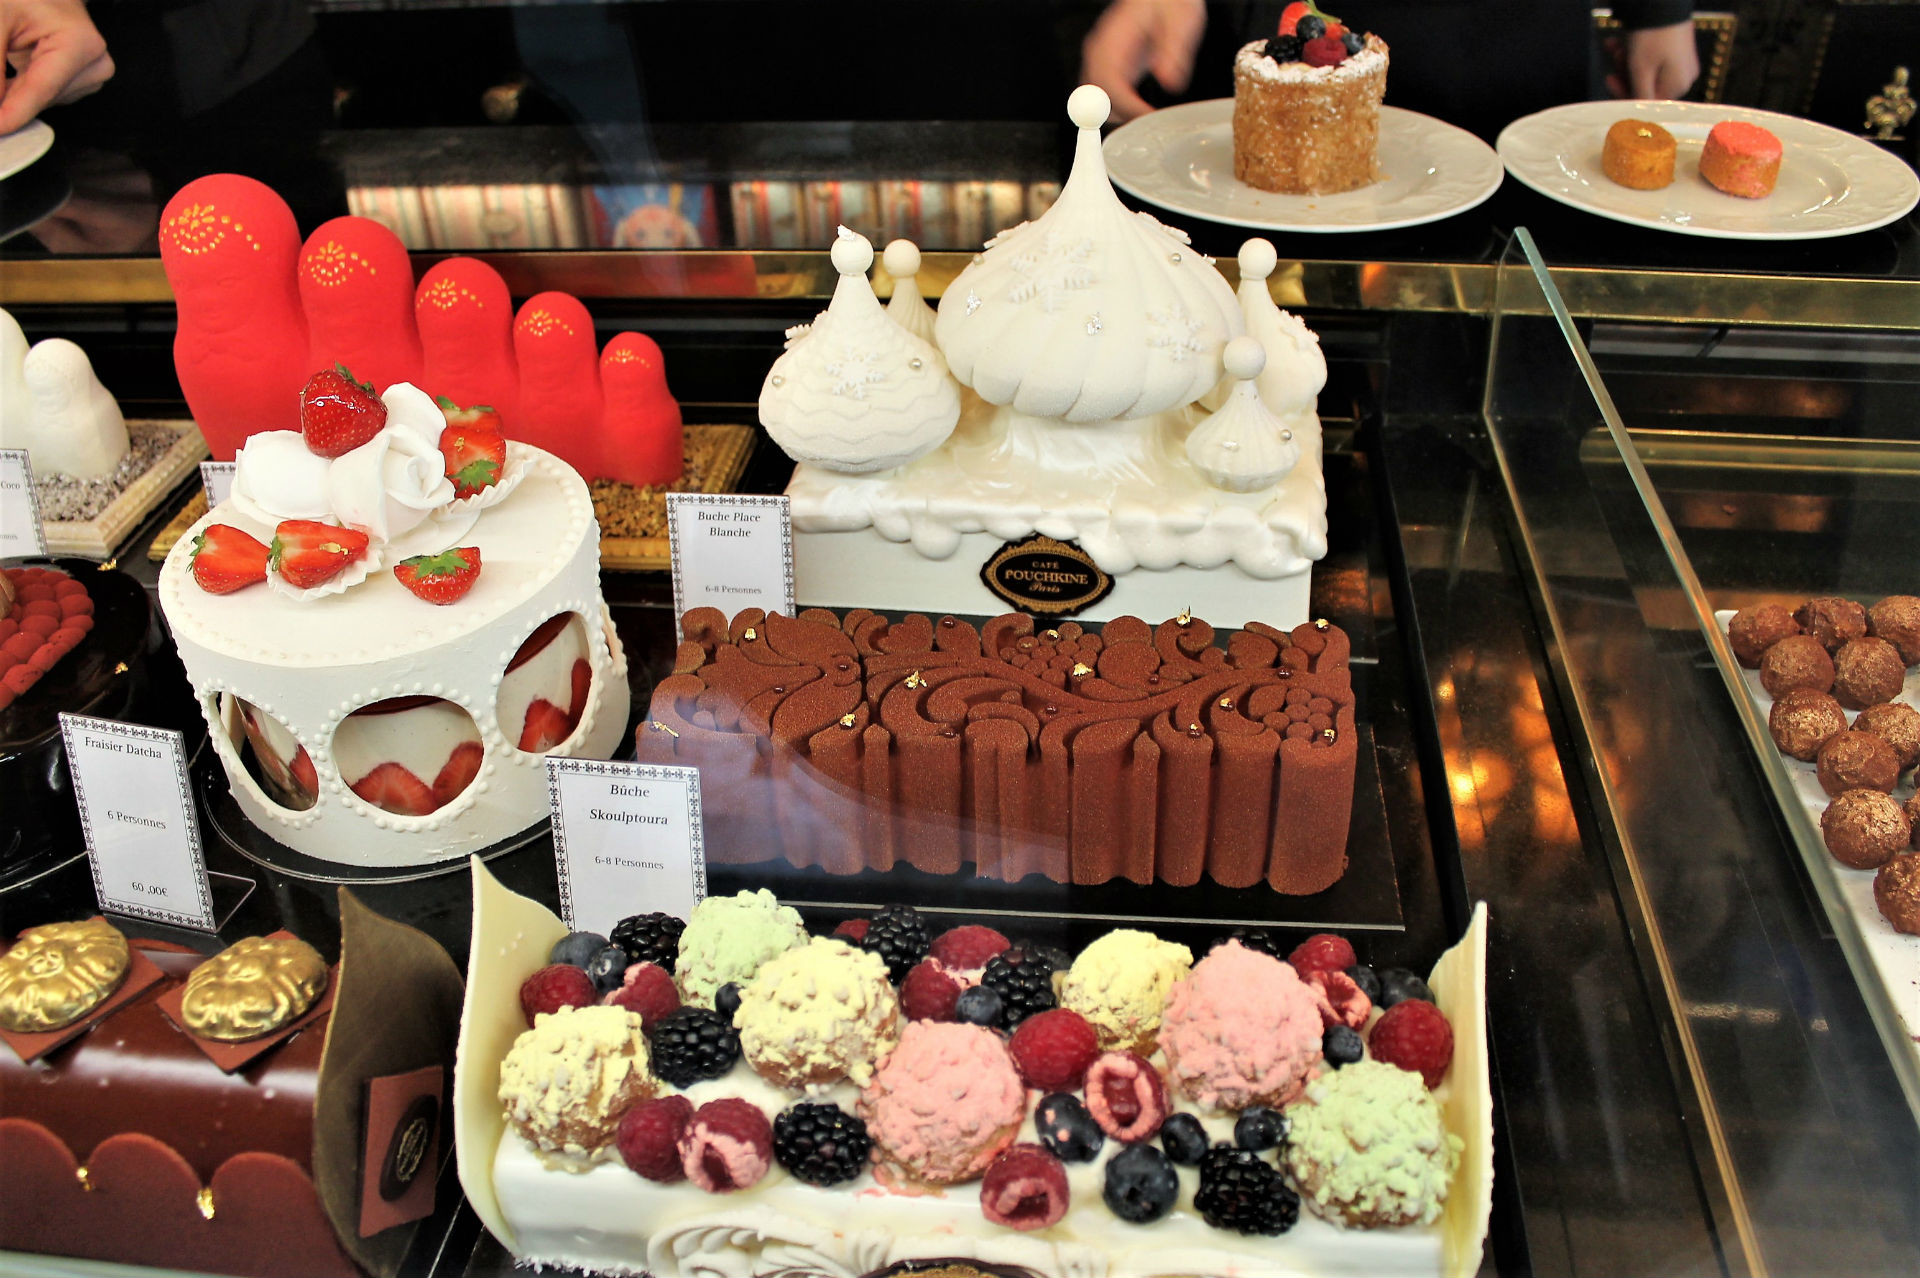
[1090, 313]
[1244, 447]
[855, 391]
[907, 307]
[1296, 369]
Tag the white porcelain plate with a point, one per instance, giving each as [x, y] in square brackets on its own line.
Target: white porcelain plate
[23, 146]
[1831, 183]
[1181, 158]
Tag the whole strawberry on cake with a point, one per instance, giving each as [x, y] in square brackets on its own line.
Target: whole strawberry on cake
[1306, 105]
[391, 622]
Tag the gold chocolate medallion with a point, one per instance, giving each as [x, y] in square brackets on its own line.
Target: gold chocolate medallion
[253, 987]
[57, 973]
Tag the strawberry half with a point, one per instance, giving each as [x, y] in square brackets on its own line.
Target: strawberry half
[458, 772]
[1291, 15]
[478, 417]
[391, 788]
[307, 553]
[225, 560]
[337, 413]
[441, 578]
[546, 726]
[476, 457]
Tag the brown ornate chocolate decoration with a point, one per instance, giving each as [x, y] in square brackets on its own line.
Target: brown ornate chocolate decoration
[56, 973]
[252, 988]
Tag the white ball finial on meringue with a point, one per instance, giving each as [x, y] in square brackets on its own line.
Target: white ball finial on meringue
[1089, 106]
[908, 307]
[1243, 448]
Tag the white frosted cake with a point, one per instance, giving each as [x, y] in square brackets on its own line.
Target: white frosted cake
[588, 1208]
[1089, 347]
[358, 721]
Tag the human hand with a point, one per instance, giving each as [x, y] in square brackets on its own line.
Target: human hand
[57, 53]
[1654, 62]
[1136, 36]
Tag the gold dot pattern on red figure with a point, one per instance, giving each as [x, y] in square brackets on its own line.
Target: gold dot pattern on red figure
[201, 228]
[541, 322]
[626, 355]
[444, 294]
[333, 264]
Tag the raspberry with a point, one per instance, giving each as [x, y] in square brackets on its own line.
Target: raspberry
[1345, 1002]
[648, 990]
[1126, 1096]
[727, 1145]
[928, 993]
[967, 949]
[855, 930]
[1325, 51]
[1414, 1035]
[1322, 953]
[1026, 1188]
[1053, 1049]
[556, 986]
[649, 1137]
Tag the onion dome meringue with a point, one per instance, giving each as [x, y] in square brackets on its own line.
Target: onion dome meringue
[727, 938]
[1120, 984]
[567, 1081]
[1243, 447]
[1296, 368]
[1091, 312]
[1369, 1147]
[945, 1103]
[819, 1013]
[1242, 1029]
[907, 307]
[854, 391]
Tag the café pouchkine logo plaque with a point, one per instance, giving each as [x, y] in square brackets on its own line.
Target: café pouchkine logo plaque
[1042, 575]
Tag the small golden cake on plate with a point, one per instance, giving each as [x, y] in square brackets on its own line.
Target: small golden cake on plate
[1639, 154]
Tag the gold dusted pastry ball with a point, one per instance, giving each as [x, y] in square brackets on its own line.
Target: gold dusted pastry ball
[57, 973]
[253, 987]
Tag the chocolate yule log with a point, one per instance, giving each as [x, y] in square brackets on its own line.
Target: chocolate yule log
[1129, 752]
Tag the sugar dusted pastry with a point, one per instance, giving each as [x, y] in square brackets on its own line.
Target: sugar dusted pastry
[1242, 1029]
[728, 938]
[819, 1013]
[1120, 984]
[567, 1081]
[944, 1104]
[1369, 1147]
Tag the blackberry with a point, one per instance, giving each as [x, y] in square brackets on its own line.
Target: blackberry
[649, 938]
[1024, 981]
[821, 1144]
[691, 1044]
[1260, 1128]
[1257, 939]
[899, 935]
[1184, 1139]
[1284, 48]
[1240, 1192]
[1342, 1045]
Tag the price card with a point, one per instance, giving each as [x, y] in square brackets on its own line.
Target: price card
[627, 840]
[136, 806]
[730, 551]
[217, 479]
[20, 510]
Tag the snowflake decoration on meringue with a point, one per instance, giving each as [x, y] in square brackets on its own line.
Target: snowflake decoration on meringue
[795, 333]
[1171, 232]
[1006, 235]
[1052, 269]
[1175, 332]
[853, 371]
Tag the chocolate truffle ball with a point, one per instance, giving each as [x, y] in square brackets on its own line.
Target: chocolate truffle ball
[1897, 724]
[1897, 620]
[1832, 621]
[1754, 630]
[1863, 828]
[1802, 721]
[1798, 661]
[1896, 890]
[1867, 672]
[1857, 761]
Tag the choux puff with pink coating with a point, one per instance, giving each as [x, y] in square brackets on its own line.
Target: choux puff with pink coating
[356, 285]
[943, 1105]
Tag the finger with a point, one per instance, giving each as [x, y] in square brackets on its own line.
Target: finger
[91, 79]
[1645, 77]
[1179, 38]
[1127, 104]
[1615, 85]
[40, 82]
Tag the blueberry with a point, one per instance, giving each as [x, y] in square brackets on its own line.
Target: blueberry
[1067, 1128]
[1259, 1128]
[1367, 979]
[576, 949]
[979, 1005]
[1284, 48]
[607, 968]
[1311, 27]
[1141, 1184]
[1397, 985]
[1342, 1046]
[726, 999]
[1184, 1139]
[1354, 42]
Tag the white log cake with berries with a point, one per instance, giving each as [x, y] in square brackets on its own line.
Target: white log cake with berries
[727, 1096]
[391, 622]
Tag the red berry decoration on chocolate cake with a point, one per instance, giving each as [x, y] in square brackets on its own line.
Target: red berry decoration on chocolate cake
[1415, 1036]
[1052, 1050]
[44, 614]
[338, 413]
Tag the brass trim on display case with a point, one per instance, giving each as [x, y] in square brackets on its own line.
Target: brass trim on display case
[1605, 293]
